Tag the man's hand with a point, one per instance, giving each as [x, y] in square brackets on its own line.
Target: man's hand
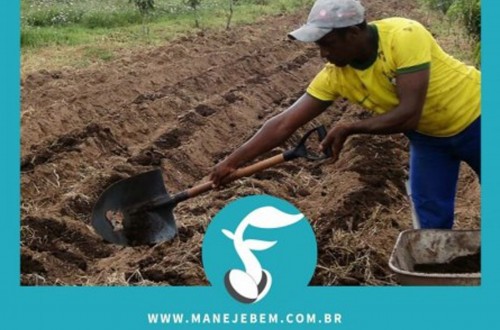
[335, 140]
[221, 172]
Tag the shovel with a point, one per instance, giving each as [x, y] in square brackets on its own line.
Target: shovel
[138, 210]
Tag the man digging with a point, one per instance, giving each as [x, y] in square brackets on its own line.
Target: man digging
[394, 68]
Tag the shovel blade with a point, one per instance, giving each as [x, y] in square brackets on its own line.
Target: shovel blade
[112, 219]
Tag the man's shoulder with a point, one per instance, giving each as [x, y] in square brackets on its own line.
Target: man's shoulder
[401, 31]
[395, 23]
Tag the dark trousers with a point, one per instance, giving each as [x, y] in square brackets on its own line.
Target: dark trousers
[434, 169]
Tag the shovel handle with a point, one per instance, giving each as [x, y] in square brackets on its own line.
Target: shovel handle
[257, 167]
[239, 173]
[165, 200]
[299, 151]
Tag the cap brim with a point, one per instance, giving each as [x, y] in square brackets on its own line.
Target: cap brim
[309, 33]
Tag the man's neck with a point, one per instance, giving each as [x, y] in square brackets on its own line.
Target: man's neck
[368, 49]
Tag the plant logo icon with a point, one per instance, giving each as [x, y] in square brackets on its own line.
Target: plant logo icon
[251, 248]
[254, 282]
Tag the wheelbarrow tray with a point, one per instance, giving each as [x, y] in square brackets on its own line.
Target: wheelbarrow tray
[434, 246]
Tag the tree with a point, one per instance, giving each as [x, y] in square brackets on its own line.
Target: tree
[230, 14]
[145, 7]
[194, 4]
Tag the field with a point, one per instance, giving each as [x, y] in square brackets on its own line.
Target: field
[182, 107]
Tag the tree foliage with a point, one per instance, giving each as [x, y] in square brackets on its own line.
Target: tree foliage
[194, 4]
[469, 12]
[466, 11]
[441, 5]
[144, 6]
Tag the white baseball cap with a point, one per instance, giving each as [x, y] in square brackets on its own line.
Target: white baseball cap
[326, 15]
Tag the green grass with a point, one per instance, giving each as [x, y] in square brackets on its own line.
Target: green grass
[62, 22]
[56, 33]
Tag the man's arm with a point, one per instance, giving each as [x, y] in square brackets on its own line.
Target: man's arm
[411, 90]
[274, 132]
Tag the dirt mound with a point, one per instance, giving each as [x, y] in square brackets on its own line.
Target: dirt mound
[183, 107]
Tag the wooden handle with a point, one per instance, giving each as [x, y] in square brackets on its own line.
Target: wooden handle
[239, 173]
[257, 167]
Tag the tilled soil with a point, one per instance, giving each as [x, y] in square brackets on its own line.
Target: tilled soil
[183, 107]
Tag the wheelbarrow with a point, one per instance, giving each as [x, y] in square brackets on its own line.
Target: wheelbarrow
[139, 211]
[437, 257]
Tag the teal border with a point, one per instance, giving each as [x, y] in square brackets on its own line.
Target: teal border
[54, 308]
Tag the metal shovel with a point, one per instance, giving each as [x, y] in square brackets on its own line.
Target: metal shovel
[138, 210]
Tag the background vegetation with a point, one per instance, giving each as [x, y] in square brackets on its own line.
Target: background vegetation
[468, 12]
[56, 33]
[42, 21]
[77, 33]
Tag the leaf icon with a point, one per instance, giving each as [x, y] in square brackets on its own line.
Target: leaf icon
[229, 234]
[269, 217]
[258, 245]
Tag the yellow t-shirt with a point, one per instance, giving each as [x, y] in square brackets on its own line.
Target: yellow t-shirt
[454, 93]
